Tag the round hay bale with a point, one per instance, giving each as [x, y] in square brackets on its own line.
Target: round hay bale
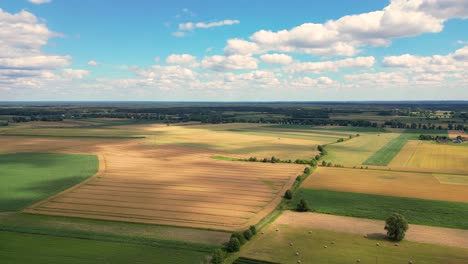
[325, 246]
[396, 244]
[365, 236]
[310, 232]
[263, 233]
[410, 262]
[298, 261]
[377, 244]
[291, 243]
[358, 260]
[333, 242]
[277, 229]
[297, 253]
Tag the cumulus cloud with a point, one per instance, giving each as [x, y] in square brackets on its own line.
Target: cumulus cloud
[189, 26]
[453, 62]
[182, 59]
[232, 62]
[38, 2]
[241, 47]
[74, 74]
[344, 36]
[276, 58]
[330, 66]
[92, 63]
[22, 61]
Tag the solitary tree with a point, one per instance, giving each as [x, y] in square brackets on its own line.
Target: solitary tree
[302, 206]
[288, 194]
[396, 226]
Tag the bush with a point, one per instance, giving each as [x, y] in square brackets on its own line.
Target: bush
[233, 245]
[218, 256]
[329, 164]
[396, 226]
[307, 170]
[288, 194]
[253, 229]
[320, 148]
[324, 163]
[303, 206]
[239, 237]
[248, 234]
[317, 157]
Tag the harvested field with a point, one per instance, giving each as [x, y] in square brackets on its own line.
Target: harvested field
[431, 156]
[404, 184]
[359, 149]
[173, 185]
[457, 133]
[417, 233]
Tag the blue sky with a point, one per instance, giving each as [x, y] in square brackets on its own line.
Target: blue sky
[233, 50]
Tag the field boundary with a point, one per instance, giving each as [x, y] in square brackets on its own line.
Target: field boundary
[101, 170]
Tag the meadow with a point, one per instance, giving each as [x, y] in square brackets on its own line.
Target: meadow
[417, 211]
[323, 246]
[26, 178]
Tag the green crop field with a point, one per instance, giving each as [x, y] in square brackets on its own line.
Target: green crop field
[385, 155]
[26, 178]
[357, 150]
[417, 211]
[51, 249]
[343, 248]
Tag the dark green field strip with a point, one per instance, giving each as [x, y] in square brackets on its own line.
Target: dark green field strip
[26, 178]
[417, 211]
[384, 156]
[52, 249]
[244, 260]
[335, 128]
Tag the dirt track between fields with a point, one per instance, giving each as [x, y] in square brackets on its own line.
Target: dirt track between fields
[374, 228]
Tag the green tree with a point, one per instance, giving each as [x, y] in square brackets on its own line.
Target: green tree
[303, 206]
[324, 163]
[239, 237]
[218, 256]
[288, 194]
[248, 234]
[253, 229]
[396, 226]
[233, 245]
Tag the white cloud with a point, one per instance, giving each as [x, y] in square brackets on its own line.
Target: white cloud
[453, 62]
[344, 36]
[182, 59]
[276, 58]
[92, 63]
[232, 62]
[38, 2]
[178, 34]
[74, 74]
[330, 66]
[189, 26]
[241, 47]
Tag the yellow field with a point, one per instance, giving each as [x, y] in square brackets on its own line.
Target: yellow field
[243, 144]
[358, 149]
[404, 184]
[432, 156]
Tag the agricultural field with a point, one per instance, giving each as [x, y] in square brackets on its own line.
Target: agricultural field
[430, 156]
[384, 156]
[324, 246]
[358, 149]
[53, 249]
[26, 178]
[203, 192]
[388, 182]
[416, 211]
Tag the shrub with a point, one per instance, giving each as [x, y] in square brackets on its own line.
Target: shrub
[248, 234]
[253, 229]
[396, 226]
[317, 157]
[218, 256]
[299, 178]
[307, 170]
[324, 163]
[320, 148]
[303, 206]
[239, 237]
[329, 164]
[233, 245]
[288, 194]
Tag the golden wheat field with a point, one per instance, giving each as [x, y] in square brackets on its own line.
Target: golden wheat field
[166, 184]
[433, 157]
[383, 182]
